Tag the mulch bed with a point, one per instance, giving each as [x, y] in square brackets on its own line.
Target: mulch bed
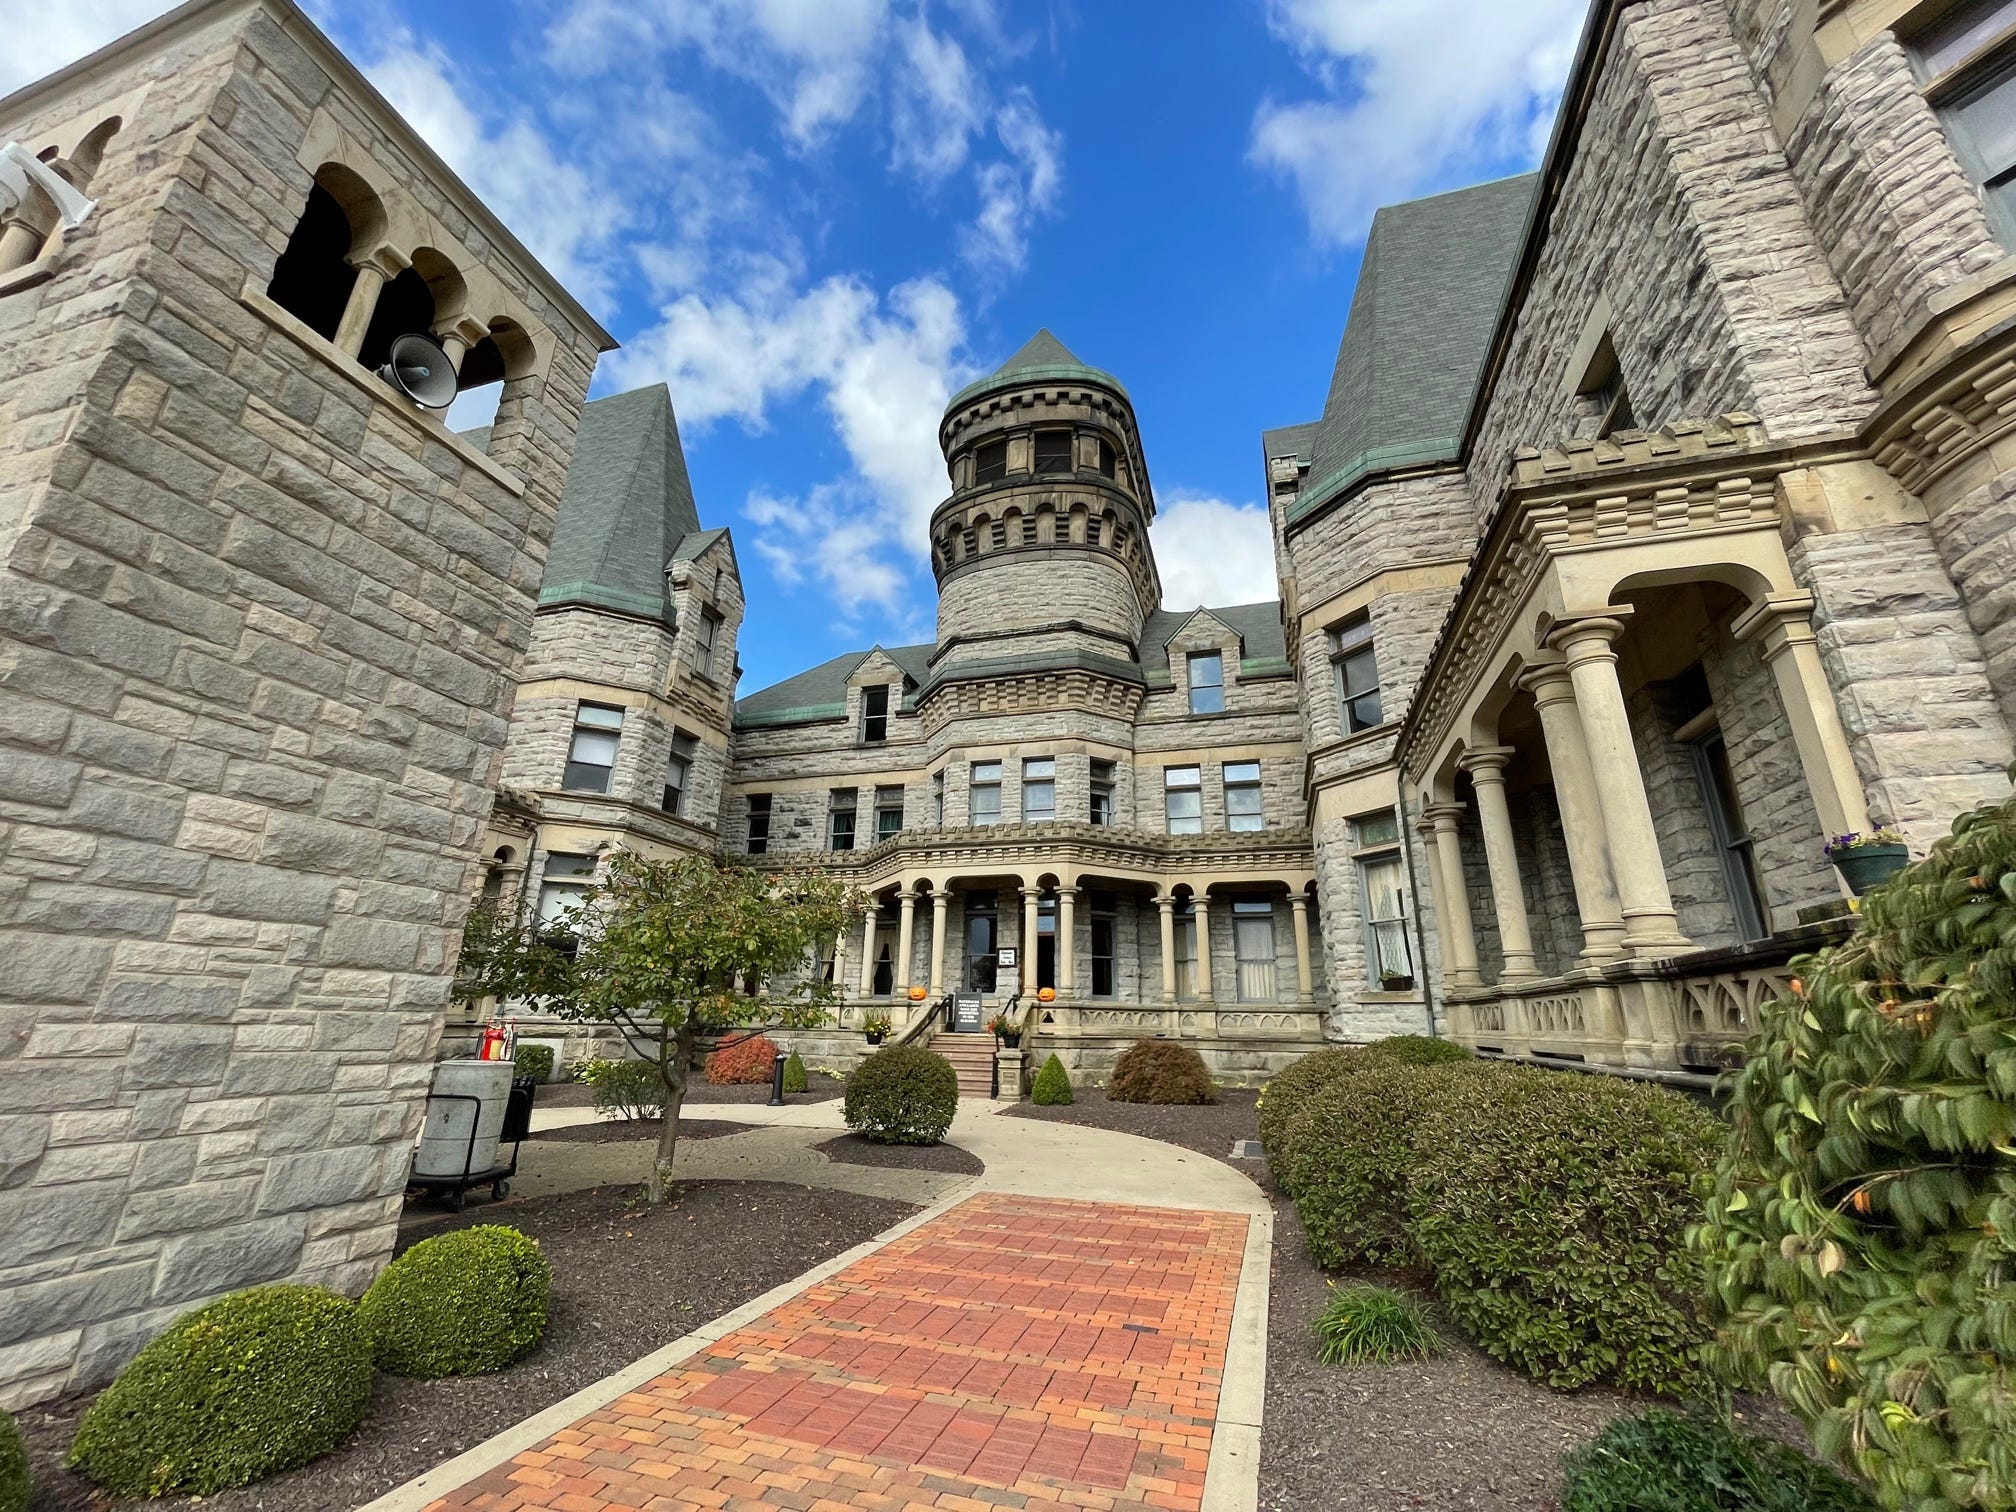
[622, 1130]
[1208, 1129]
[626, 1281]
[854, 1150]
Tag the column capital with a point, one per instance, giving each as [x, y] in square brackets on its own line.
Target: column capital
[1548, 681]
[1166, 902]
[1066, 891]
[1200, 903]
[1776, 622]
[1487, 763]
[1030, 892]
[1442, 818]
[907, 894]
[1299, 902]
[386, 261]
[1590, 638]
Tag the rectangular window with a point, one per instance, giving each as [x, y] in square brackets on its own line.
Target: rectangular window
[938, 800]
[984, 806]
[1970, 78]
[1183, 799]
[982, 933]
[591, 757]
[990, 462]
[1104, 927]
[1186, 949]
[677, 768]
[1357, 672]
[840, 820]
[1053, 451]
[561, 887]
[875, 713]
[1243, 801]
[1388, 963]
[1102, 792]
[1105, 459]
[1376, 829]
[1253, 948]
[706, 632]
[1207, 683]
[888, 813]
[1039, 790]
[759, 823]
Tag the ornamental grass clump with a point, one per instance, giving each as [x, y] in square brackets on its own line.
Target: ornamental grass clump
[466, 1303]
[1553, 1210]
[1053, 1086]
[904, 1095]
[17, 1488]
[255, 1383]
[1370, 1325]
[742, 1062]
[1160, 1071]
[1860, 1239]
[1663, 1461]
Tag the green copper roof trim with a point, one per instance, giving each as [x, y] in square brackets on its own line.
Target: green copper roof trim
[1046, 373]
[804, 714]
[1264, 666]
[1379, 459]
[598, 595]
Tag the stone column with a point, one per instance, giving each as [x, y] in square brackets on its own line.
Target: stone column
[371, 277]
[1165, 904]
[1452, 898]
[868, 952]
[1486, 766]
[906, 940]
[1067, 942]
[1782, 627]
[1031, 896]
[1200, 907]
[1305, 981]
[1651, 927]
[1581, 814]
[941, 901]
[23, 234]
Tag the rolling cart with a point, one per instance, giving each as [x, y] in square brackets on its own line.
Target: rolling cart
[517, 1124]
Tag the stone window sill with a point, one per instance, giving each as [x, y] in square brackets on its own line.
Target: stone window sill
[1370, 996]
[28, 275]
[253, 297]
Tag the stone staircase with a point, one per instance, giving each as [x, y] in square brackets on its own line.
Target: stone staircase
[972, 1056]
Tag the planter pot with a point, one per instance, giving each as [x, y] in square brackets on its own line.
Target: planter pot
[1396, 984]
[1867, 866]
[1011, 1041]
[875, 1039]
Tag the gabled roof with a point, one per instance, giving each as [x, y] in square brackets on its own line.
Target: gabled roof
[1429, 292]
[1297, 441]
[627, 510]
[1042, 357]
[821, 692]
[1258, 627]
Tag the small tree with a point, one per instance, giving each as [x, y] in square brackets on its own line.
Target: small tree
[662, 951]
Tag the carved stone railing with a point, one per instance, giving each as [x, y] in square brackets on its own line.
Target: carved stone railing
[1187, 1020]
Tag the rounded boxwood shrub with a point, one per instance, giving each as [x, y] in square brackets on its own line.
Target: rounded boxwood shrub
[901, 1095]
[742, 1062]
[1283, 1097]
[1160, 1071]
[1664, 1462]
[255, 1383]
[465, 1303]
[1860, 1238]
[1553, 1209]
[1053, 1086]
[535, 1061]
[1349, 1157]
[1417, 1050]
[795, 1079]
[17, 1488]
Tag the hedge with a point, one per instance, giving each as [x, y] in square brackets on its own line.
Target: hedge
[1664, 1462]
[258, 1382]
[625, 1088]
[1053, 1086]
[535, 1061]
[465, 1303]
[901, 1095]
[1283, 1097]
[17, 1487]
[1160, 1071]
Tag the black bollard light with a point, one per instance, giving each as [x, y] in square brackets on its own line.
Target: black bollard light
[777, 1081]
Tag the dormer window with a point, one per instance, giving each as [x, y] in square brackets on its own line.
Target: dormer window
[990, 462]
[706, 631]
[1053, 451]
[1207, 683]
[875, 713]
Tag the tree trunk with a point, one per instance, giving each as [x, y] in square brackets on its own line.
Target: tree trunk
[675, 1057]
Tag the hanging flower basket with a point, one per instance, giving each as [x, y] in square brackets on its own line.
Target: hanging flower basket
[1867, 861]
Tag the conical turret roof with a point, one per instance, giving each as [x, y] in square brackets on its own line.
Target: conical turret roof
[1040, 350]
[1042, 357]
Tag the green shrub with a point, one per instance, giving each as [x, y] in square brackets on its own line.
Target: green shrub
[901, 1095]
[1664, 1462]
[1053, 1086]
[1417, 1050]
[253, 1384]
[535, 1061]
[1860, 1238]
[17, 1487]
[1160, 1071]
[466, 1303]
[795, 1079]
[625, 1088]
[1282, 1098]
[1369, 1325]
[1351, 1156]
[1553, 1210]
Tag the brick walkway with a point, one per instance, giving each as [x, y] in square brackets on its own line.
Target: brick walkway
[1015, 1352]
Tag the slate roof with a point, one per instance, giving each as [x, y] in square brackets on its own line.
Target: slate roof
[821, 691]
[1042, 356]
[627, 509]
[1258, 627]
[1297, 441]
[1429, 292]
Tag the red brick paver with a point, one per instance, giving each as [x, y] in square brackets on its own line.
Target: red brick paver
[1014, 1352]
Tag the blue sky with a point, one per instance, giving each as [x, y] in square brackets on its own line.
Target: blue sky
[816, 218]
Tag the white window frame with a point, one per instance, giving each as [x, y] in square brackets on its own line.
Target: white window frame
[1236, 816]
[592, 724]
[1387, 938]
[983, 777]
[1039, 779]
[1215, 689]
[1182, 781]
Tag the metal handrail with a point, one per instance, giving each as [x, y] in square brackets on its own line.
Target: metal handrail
[914, 1030]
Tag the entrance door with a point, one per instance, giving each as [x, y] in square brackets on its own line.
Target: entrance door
[1046, 943]
[1732, 837]
[981, 939]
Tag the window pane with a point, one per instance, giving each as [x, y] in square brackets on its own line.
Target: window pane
[990, 462]
[1242, 771]
[1040, 766]
[594, 746]
[1039, 802]
[1179, 777]
[1357, 632]
[986, 771]
[600, 716]
[1962, 32]
[1363, 712]
[1360, 672]
[986, 807]
[1987, 120]
[1106, 459]
[1207, 700]
[1376, 829]
[1053, 451]
[561, 864]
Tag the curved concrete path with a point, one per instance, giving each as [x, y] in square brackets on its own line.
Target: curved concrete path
[1083, 1325]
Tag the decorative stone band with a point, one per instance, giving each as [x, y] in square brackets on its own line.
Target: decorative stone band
[1937, 424]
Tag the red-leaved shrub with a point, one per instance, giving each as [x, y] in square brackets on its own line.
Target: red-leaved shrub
[742, 1062]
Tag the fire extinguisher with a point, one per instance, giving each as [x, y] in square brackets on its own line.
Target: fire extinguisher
[492, 1045]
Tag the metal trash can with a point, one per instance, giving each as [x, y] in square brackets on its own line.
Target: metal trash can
[465, 1118]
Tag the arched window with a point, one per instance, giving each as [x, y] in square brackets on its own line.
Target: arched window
[502, 355]
[313, 278]
[405, 305]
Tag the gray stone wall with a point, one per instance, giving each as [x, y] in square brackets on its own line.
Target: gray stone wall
[1680, 820]
[257, 630]
[1035, 591]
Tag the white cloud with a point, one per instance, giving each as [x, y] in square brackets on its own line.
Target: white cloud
[1420, 95]
[42, 38]
[1210, 551]
[1014, 192]
[938, 103]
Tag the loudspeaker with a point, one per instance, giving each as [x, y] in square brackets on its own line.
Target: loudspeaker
[419, 368]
